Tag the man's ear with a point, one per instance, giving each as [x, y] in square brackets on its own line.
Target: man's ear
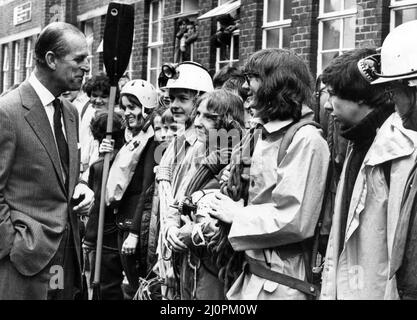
[50, 60]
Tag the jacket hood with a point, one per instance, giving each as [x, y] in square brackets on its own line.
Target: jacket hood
[392, 141]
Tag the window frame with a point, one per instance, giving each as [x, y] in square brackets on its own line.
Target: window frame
[230, 61]
[336, 15]
[188, 12]
[5, 67]
[90, 43]
[398, 5]
[277, 24]
[156, 44]
[29, 56]
[19, 11]
[16, 62]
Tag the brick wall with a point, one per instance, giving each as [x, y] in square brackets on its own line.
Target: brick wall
[6, 21]
[251, 16]
[203, 53]
[140, 42]
[304, 38]
[372, 22]
[372, 26]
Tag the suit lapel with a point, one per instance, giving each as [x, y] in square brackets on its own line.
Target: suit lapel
[71, 133]
[38, 120]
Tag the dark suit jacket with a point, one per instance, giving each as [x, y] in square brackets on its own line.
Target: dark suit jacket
[34, 204]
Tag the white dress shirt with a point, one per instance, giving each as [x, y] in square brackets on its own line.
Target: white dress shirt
[46, 98]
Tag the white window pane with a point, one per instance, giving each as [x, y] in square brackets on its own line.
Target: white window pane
[350, 4]
[272, 38]
[327, 57]
[5, 59]
[154, 57]
[153, 76]
[29, 53]
[405, 15]
[17, 56]
[349, 32]
[223, 64]
[331, 34]
[155, 11]
[332, 5]
[286, 37]
[274, 10]
[155, 31]
[287, 9]
[224, 53]
[5, 81]
[190, 5]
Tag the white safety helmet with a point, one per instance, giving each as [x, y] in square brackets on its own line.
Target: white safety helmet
[143, 90]
[188, 75]
[399, 54]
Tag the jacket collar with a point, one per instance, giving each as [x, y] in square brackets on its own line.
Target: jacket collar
[276, 125]
[392, 141]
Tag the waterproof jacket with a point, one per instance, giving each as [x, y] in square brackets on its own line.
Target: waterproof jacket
[283, 208]
[361, 270]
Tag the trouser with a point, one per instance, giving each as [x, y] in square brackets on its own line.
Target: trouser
[129, 263]
[111, 272]
[198, 279]
[59, 280]
[407, 273]
[66, 259]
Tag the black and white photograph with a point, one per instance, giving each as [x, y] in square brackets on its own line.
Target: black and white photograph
[225, 152]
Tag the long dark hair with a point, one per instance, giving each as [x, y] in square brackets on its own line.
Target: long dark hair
[286, 84]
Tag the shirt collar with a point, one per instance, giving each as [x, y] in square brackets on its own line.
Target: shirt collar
[43, 93]
[190, 135]
[276, 125]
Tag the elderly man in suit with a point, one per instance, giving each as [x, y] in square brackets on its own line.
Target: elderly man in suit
[39, 173]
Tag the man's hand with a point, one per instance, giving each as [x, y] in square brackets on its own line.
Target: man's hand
[130, 244]
[84, 207]
[224, 209]
[173, 241]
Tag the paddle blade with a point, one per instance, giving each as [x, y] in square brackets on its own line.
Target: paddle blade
[118, 39]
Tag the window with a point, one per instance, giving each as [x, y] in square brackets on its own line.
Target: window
[5, 69]
[189, 5]
[155, 41]
[89, 34]
[276, 24]
[29, 57]
[16, 74]
[337, 22]
[229, 54]
[402, 11]
[22, 13]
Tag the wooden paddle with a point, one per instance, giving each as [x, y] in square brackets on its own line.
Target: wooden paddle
[117, 47]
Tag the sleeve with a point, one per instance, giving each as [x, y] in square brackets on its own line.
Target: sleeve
[7, 153]
[148, 163]
[293, 210]
[94, 183]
